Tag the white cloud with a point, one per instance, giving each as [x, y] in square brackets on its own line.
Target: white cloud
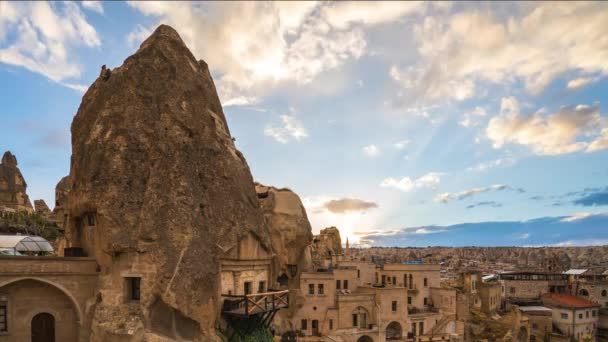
[371, 150]
[470, 119]
[484, 166]
[428, 231]
[94, 6]
[568, 130]
[259, 45]
[400, 145]
[138, 35]
[240, 101]
[523, 236]
[458, 51]
[406, 184]
[580, 82]
[291, 129]
[447, 197]
[576, 217]
[343, 14]
[44, 34]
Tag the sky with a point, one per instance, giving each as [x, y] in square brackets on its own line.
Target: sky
[401, 123]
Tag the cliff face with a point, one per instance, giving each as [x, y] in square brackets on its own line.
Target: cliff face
[13, 187]
[154, 165]
[289, 229]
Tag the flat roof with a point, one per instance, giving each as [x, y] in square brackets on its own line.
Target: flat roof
[534, 308]
[575, 271]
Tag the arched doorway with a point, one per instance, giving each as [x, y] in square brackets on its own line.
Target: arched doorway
[583, 292]
[35, 298]
[394, 331]
[43, 328]
[365, 338]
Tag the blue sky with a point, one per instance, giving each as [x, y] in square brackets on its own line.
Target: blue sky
[383, 117]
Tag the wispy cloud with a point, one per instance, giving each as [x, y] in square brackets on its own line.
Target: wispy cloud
[484, 204]
[344, 205]
[484, 166]
[580, 82]
[400, 145]
[596, 197]
[471, 118]
[94, 6]
[290, 129]
[447, 197]
[406, 184]
[371, 150]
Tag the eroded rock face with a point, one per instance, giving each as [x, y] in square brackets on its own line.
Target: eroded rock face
[326, 244]
[41, 207]
[158, 192]
[13, 194]
[60, 211]
[289, 228]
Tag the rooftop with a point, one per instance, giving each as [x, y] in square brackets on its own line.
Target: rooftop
[533, 308]
[569, 301]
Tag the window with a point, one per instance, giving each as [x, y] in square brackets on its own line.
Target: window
[247, 288]
[337, 284]
[411, 282]
[331, 324]
[534, 326]
[512, 289]
[414, 329]
[604, 293]
[394, 280]
[593, 313]
[360, 318]
[315, 326]
[304, 324]
[586, 314]
[426, 282]
[383, 279]
[426, 300]
[580, 316]
[394, 306]
[564, 316]
[421, 328]
[311, 289]
[405, 280]
[3, 318]
[321, 289]
[262, 287]
[409, 300]
[358, 273]
[345, 282]
[133, 288]
[91, 218]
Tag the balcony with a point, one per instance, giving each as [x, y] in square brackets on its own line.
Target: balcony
[422, 311]
[253, 304]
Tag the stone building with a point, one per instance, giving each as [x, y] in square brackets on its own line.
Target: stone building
[573, 317]
[527, 287]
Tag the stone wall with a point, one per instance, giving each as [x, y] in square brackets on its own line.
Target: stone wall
[62, 287]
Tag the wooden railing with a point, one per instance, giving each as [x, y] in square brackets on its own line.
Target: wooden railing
[245, 305]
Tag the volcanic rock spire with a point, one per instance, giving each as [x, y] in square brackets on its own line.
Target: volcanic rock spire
[158, 192]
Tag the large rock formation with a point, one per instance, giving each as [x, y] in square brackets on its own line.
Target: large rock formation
[156, 175]
[60, 211]
[13, 188]
[289, 229]
[327, 243]
[41, 207]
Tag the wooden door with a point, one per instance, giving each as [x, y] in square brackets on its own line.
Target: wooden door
[43, 328]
